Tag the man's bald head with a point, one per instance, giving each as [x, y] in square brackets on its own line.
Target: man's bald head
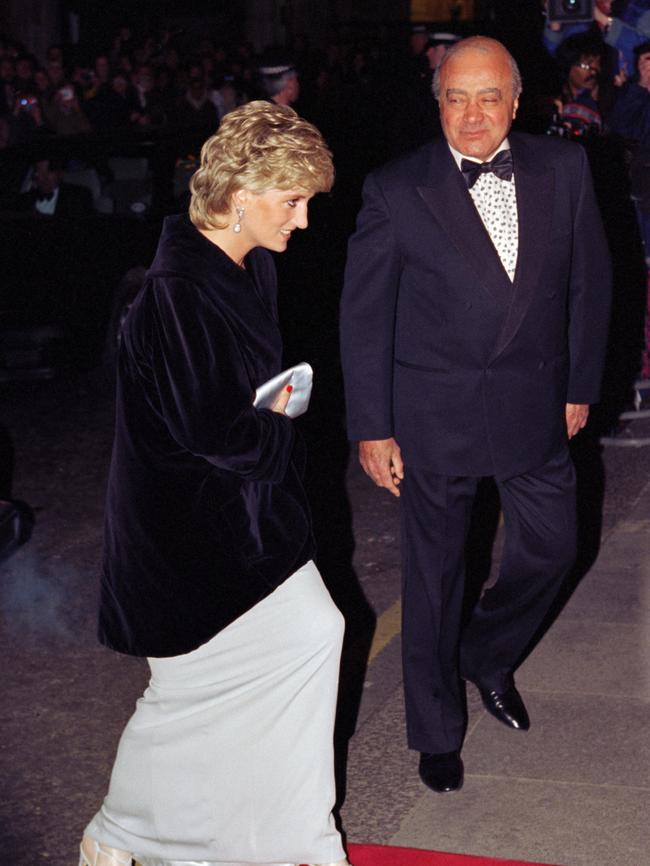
[481, 44]
[478, 85]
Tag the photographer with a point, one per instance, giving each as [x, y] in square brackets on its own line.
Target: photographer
[622, 32]
[64, 115]
[27, 119]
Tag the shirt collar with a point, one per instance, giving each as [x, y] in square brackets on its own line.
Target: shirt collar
[48, 208]
[458, 156]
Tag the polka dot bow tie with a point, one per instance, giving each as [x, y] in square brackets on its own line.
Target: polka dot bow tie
[501, 165]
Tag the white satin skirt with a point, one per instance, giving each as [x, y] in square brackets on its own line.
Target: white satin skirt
[228, 758]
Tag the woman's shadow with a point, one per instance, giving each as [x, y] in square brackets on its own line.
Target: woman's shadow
[310, 277]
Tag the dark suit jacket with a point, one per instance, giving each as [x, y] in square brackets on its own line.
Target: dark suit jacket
[205, 511]
[469, 372]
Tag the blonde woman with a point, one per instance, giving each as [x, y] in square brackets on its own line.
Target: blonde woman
[208, 565]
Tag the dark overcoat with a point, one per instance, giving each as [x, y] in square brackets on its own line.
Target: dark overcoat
[205, 510]
[469, 371]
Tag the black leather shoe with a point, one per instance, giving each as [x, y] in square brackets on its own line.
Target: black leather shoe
[443, 772]
[507, 707]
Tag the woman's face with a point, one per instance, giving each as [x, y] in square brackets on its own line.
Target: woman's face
[270, 217]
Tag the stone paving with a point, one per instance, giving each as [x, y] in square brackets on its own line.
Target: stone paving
[573, 791]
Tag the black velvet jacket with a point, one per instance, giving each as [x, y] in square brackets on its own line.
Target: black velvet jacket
[205, 512]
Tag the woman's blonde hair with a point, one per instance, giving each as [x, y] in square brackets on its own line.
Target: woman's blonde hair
[258, 147]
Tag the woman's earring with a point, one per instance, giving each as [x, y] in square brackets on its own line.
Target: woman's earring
[240, 216]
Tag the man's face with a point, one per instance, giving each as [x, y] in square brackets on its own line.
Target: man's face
[435, 53]
[24, 69]
[417, 42]
[46, 178]
[102, 68]
[643, 65]
[145, 78]
[477, 105]
[605, 6]
[293, 88]
[583, 75]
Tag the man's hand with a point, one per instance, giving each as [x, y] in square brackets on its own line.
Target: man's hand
[576, 418]
[381, 459]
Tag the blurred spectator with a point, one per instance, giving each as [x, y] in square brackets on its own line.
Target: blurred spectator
[64, 115]
[631, 121]
[122, 44]
[55, 54]
[102, 70]
[584, 99]
[55, 72]
[622, 33]
[279, 81]
[27, 118]
[12, 171]
[195, 112]
[42, 85]
[149, 109]
[49, 196]
[24, 77]
[414, 118]
[84, 81]
[631, 113]
[113, 105]
[7, 89]
[418, 42]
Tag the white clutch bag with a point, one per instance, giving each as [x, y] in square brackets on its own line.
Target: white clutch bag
[299, 377]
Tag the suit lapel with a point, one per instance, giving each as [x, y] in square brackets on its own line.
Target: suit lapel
[535, 193]
[451, 205]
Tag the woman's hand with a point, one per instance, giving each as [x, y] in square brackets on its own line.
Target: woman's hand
[283, 398]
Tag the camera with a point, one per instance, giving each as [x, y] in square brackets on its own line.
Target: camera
[570, 10]
[26, 103]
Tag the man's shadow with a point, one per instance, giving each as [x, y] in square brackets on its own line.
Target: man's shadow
[481, 548]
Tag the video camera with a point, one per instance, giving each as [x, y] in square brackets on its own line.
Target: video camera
[570, 11]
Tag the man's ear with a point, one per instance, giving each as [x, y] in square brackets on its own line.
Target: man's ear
[515, 106]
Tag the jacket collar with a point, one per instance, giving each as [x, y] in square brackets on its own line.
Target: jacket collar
[451, 205]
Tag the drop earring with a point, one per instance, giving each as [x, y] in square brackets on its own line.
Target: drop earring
[240, 216]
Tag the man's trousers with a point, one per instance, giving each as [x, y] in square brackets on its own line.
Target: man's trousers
[539, 510]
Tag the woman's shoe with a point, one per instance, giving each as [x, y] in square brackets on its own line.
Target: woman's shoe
[91, 853]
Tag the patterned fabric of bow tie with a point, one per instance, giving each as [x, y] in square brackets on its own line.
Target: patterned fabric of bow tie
[501, 165]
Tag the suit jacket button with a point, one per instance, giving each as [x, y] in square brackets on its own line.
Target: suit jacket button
[541, 365]
[468, 305]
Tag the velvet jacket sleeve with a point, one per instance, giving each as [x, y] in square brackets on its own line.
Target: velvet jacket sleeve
[203, 388]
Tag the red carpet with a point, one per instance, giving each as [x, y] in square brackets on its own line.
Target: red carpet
[381, 855]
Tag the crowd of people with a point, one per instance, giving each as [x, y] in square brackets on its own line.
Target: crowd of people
[475, 321]
[371, 98]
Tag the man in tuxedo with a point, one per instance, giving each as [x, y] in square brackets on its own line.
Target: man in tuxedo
[474, 322]
[50, 196]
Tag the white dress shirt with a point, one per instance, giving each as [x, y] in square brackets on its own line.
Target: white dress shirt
[48, 206]
[496, 203]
